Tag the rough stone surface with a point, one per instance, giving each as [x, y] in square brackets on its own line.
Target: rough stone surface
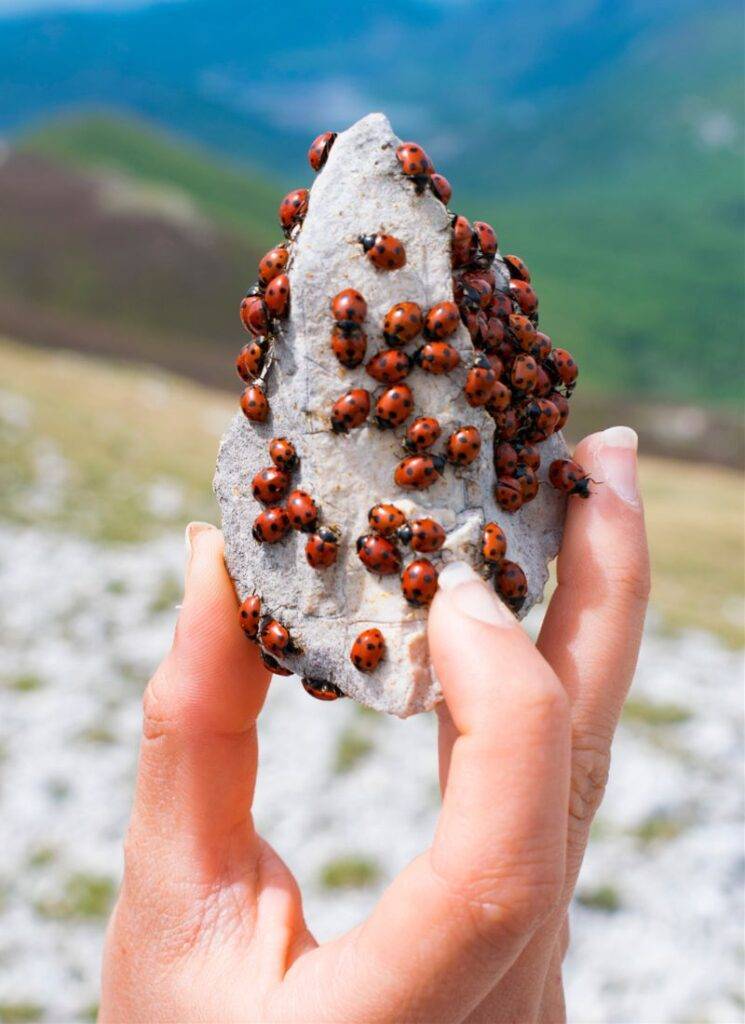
[359, 191]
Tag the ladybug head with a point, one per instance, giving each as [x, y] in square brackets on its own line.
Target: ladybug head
[404, 533]
[360, 543]
[366, 241]
[328, 535]
[582, 487]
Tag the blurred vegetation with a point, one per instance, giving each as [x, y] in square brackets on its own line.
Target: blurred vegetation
[84, 897]
[352, 871]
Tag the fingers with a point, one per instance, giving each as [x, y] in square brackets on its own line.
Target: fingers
[198, 758]
[460, 914]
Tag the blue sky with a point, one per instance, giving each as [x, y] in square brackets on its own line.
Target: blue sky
[31, 6]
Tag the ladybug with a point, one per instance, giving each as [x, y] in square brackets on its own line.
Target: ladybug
[500, 305]
[282, 453]
[293, 208]
[321, 689]
[418, 471]
[523, 330]
[509, 493]
[524, 295]
[270, 485]
[511, 584]
[529, 456]
[463, 446]
[255, 404]
[478, 288]
[487, 239]
[441, 320]
[250, 359]
[543, 418]
[506, 423]
[275, 638]
[320, 148]
[500, 399]
[254, 314]
[419, 582]
[378, 554]
[565, 366]
[302, 511]
[273, 665]
[249, 614]
[422, 434]
[562, 407]
[367, 650]
[271, 525]
[389, 366]
[437, 357]
[349, 345]
[402, 323]
[494, 332]
[349, 307]
[394, 406]
[385, 519]
[384, 251]
[496, 364]
[517, 267]
[272, 264]
[277, 295]
[493, 543]
[423, 535]
[524, 374]
[414, 161]
[480, 381]
[441, 188]
[464, 241]
[541, 346]
[350, 411]
[475, 321]
[543, 386]
[568, 476]
[528, 481]
[321, 548]
[505, 459]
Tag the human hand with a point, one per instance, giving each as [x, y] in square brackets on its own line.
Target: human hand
[209, 923]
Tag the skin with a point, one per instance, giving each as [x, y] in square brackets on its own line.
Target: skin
[209, 922]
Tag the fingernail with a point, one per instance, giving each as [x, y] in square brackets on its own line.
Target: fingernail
[615, 452]
[192, 530]
[472, 597]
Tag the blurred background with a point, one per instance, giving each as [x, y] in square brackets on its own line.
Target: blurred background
[144, 150]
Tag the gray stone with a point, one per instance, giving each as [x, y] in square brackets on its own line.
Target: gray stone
[359, 191]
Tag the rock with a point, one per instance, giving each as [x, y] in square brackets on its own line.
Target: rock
[359, 191]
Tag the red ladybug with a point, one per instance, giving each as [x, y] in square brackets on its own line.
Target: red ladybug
[517, 267]
[442, 320]
[493, 334]
[562, 407]
[272, 264]
[282, 453]
[487, 239]
[423, 535]
[496, 364]
[506, 424]
[277, 296]
[568, 476]
[385, 519]
[566, 367]
[422, 433]
[510, 582]
[477, 288]
[464, 241]
[542, 418]
[321, 548]
[528, 481]
[441, 188]
[254, 314]
[509, 493]
[275, 638]
[367, 650]
[249, 614]
[500, 398]
[524, 374]
[321, 689]
[475, 321]
[255, 404]
[505, 459]
[389, 366]
[480, 381]
[419, 582]
[302, 511]
[293, 208]
[500, 305]
[414, 161]
[350, 411]
[348, 344]
[394, 406]
[402, 323]
[523, 330]
[271, 525]
[384, 251]
[349, 307]
[493, 543]
[320, 148]
[529, 456]
[543, 386]
[270, 485]
[437, 357]
[378, 554]
[417, 472]
[524, 295]
[463, 446]
[273, 665]
[541, 346]
[250, 359]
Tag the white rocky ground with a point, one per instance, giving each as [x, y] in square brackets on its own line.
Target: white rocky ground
[657, 936]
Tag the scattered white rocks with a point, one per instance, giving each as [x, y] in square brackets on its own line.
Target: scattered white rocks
[360, 191]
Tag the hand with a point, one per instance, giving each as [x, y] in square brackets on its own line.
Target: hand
[209, 922]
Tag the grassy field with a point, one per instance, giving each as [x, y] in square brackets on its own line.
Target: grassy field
[120, 454]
